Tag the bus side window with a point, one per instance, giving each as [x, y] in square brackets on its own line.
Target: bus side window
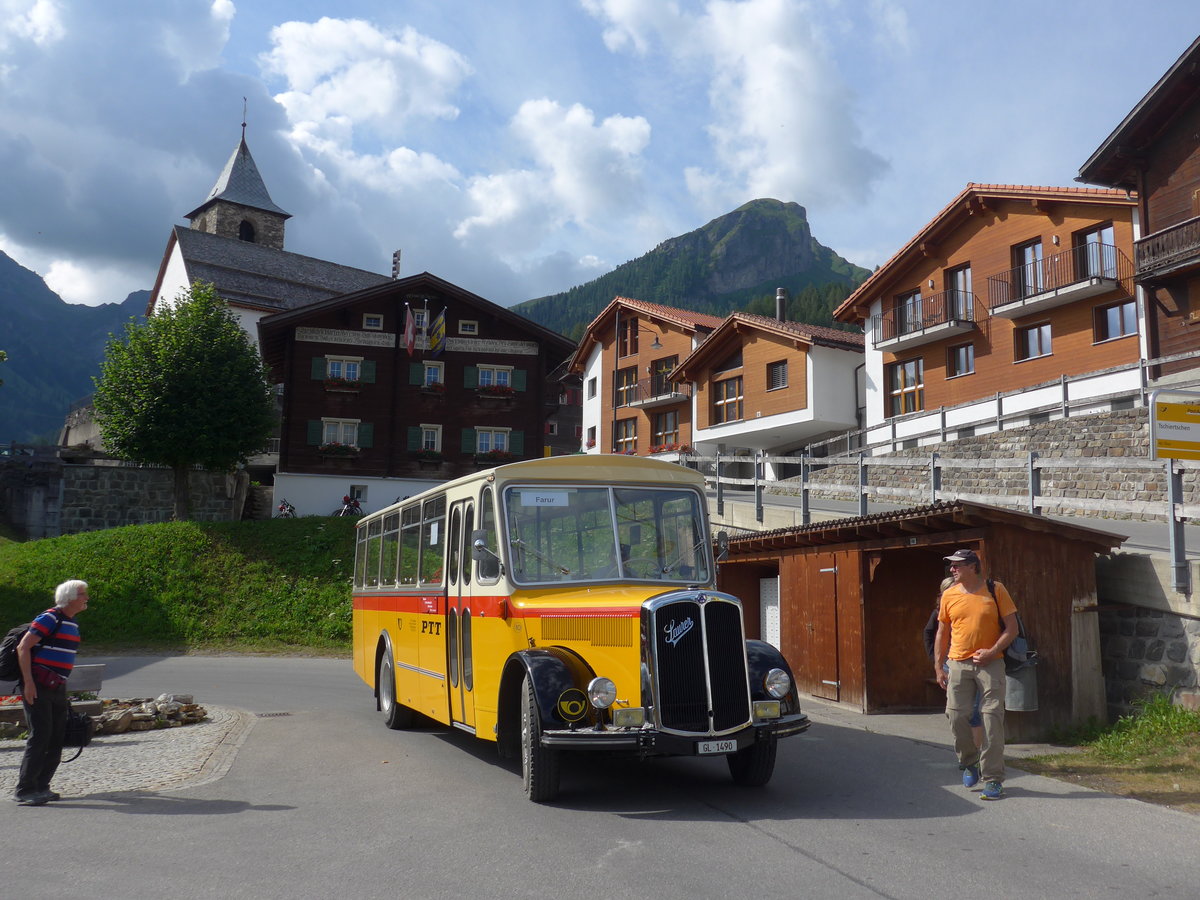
[488, 562]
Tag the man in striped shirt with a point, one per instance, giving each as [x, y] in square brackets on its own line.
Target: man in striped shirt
[47, 655]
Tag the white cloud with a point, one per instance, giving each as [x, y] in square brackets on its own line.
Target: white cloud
[37, 21]
[348, 71]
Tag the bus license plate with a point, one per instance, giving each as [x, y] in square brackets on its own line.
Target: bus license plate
[706, 747]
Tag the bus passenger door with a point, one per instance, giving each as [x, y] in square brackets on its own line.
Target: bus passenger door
[459, 619]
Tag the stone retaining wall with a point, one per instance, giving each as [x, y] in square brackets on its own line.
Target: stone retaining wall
[1148, 650]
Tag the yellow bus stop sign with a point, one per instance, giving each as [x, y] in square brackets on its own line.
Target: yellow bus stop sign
[1175, 430]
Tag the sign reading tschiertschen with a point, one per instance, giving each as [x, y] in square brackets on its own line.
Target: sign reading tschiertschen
[354, 338]
[1175, 425]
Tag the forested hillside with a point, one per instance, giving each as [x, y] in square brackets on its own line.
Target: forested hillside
[733, 263]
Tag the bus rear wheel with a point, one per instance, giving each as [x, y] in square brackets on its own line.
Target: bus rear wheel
[539, 765]
[754, 766]
[395, 714]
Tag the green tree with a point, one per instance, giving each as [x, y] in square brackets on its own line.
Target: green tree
[3, 358]
[185, 388]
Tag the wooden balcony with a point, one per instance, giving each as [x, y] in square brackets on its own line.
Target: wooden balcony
[657, 390]
[1076, 274]
[1171, 251]
[936, 317]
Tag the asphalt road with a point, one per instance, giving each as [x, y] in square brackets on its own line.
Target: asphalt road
[326, 802]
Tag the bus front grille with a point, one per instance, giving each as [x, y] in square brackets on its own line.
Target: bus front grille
[698, 664]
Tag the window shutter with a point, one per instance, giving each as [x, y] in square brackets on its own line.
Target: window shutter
[468, 440]
[518, 379]
[414, 437]
[366, 435]
[546, 428]
[416, 374]
[471, 380]
[516, 442]
[318, 368]
[314, 432]
[367, 373]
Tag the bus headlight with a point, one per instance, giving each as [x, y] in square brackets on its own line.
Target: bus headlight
[601, 692]
[777, 683]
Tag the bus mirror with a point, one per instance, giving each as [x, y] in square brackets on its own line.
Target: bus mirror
[480, 551]
[722, 545]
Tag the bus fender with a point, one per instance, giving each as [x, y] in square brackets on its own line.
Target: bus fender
[551, 670]
[761, 658]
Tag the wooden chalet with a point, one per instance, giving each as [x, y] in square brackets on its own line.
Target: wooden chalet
[847, 600]
[1155, 152]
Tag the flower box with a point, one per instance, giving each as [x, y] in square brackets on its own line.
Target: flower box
[333, 448]
[495, 457]
[341, 384]
[426, 455]
[495, 390]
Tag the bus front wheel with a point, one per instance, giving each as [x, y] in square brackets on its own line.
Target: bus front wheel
[395, 714]
[539, 765]
[754, 765]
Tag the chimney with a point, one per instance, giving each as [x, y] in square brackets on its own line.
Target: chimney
[396, 265]
[781, 299]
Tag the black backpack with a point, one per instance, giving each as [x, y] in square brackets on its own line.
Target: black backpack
[1021, 652]
[10, 664]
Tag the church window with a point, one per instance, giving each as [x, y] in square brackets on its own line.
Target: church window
[246, 231]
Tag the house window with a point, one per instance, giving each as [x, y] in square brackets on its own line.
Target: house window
[959, 293]
[1095, 253]
[666, 429]
[1029, 277]
[1033, 341]
[339, 431]
[372, 322]
[488, 439]
[591, 389]
[435, 373]
[960, 360]
[626, 385]
[246, 231]
[627, 337]
[591, 436]
[468, 326]
[431, 437]
[625, 436]
[908, 312]
[420, 317]
[495, 376]
[906, 386]
[660, 376]
[727, 400]
[552, 427]
[346, 368]
[777, 376]
[1116, 320]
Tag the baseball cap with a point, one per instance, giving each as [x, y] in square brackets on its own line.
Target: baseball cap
[963, 556]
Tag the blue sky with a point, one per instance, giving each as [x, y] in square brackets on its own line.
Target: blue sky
[520, 147]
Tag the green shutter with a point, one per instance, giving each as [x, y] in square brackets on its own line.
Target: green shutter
[516, 442]
[318, 368]
[366, 435]
[414, 437]
[367, 373]
[471, 378]
[468, 440]
[416, 374]
[314, 431]
[518, 379]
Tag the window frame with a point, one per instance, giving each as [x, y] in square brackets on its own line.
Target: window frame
[339, 359]
[772, 369]
[952, 370]
[658, 435]
[486, 439]
[495, 371]
[625, 435]
[431, 436]
[1020, 343]
[901, 391]
[1101, 310]
[341, 423]
[439, 370]
[625, 388]
[723, 400]
[372, 321]
[468, 327]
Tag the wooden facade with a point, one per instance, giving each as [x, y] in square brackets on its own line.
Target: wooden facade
[855, 594]
[1155, 152]
[646, 410]
[485, 399]
[1007, 287]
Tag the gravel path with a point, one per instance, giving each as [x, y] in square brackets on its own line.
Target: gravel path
[162, 759]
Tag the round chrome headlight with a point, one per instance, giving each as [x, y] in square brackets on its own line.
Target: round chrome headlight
[601, 692]
[777, 683]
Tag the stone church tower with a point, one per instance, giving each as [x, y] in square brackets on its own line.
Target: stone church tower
[239, 206]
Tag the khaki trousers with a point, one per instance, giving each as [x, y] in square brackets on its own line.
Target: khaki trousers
[965, 678]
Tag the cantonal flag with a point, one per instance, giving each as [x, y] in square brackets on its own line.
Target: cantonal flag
[410, 331]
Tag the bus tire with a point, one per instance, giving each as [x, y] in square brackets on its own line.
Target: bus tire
[395, 714]
[753, 766]
[539, 765]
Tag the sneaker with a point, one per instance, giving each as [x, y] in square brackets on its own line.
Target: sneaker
[993, 790]
[37, 799]
[970, 776]
[51, 796]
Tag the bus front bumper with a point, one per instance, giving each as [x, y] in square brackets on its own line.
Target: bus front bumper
[647, 740]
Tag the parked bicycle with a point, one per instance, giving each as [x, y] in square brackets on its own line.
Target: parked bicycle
[350, 507]
[286, 510]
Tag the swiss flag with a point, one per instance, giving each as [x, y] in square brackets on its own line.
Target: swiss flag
[410, 331]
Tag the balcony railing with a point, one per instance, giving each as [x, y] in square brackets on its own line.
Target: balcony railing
[1074, 274]
[1177, 247]
[657, 390]
[928, 319]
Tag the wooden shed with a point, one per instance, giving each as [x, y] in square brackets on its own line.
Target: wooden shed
[847, 600]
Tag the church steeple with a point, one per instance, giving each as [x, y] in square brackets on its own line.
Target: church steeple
[239, 205]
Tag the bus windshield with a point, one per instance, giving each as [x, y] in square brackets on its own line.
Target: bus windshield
[562, 533]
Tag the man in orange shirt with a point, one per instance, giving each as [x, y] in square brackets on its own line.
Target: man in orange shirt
[974, 628]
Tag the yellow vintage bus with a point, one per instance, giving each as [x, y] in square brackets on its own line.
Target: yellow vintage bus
[566, 604]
